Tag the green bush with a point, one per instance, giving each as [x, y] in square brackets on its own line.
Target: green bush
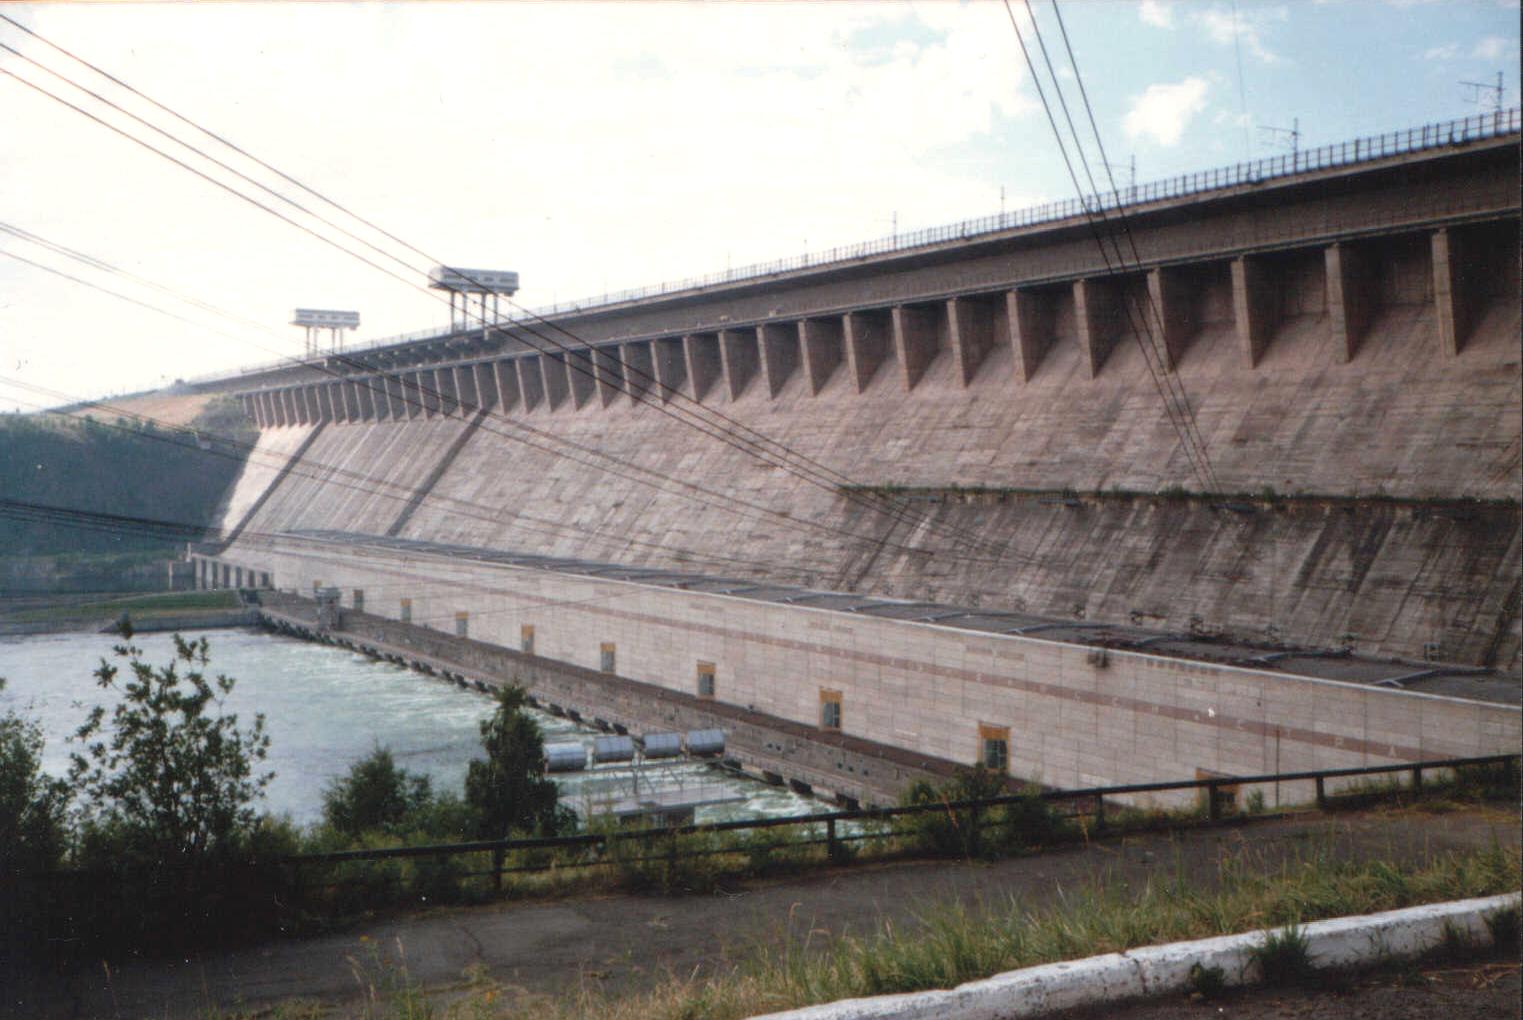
[665, 864]
[1028, 821]
[33, 836]
[376, 796]
[168, 821]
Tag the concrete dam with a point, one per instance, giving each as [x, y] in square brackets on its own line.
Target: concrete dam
[929, 505]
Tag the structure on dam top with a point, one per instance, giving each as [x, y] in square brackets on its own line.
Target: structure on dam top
[1232, 491]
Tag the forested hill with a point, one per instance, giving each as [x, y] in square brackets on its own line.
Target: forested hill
[130, 468]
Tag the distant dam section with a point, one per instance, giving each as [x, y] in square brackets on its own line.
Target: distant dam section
[1288, 426]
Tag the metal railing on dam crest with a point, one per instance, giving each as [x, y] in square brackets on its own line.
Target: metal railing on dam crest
[1441, 134]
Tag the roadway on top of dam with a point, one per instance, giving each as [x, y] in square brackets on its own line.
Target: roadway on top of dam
[1432, 678]
[1449, 174]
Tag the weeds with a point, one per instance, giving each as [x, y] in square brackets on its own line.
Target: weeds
[1207, 982]
[950, 945]
[1503, 925]
[1283, 958]
[953, 945]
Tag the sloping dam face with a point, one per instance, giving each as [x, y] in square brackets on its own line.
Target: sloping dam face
[1366, 504]
[1315, 440]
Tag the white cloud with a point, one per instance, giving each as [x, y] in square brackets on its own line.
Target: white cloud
[1156, 13]
[1245, 26]
[1493, 47]
[1448, 51]
[582, 145]
[1164, 110]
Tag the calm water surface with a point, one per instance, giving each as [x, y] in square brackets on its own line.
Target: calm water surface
[325, 708]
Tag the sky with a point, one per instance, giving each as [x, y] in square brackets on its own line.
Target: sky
[594, 147]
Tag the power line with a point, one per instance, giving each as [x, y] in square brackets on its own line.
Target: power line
[1170, 411]
[1242, 90]
[327, 474]
[26, 512]
[1170, 378]
[840, 485]
[426, 392]
[1161, 377]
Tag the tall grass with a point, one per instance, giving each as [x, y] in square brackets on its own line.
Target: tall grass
[953, 944]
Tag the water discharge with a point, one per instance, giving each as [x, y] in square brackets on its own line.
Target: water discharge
[326, 707]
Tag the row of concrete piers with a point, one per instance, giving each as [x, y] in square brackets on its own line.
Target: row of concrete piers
[212, 574]
[1161, 302]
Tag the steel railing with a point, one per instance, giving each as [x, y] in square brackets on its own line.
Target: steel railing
[1424, 137]
[1095, 797]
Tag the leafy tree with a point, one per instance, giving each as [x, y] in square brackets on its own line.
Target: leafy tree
[172, 779]
[376, 796]
[508, 791]
[34, 835]
[33, 805]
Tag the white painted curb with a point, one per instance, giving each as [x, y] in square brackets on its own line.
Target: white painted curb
[1160, 970]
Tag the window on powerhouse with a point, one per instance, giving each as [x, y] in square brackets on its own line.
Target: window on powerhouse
[830, 709]
[994, 746]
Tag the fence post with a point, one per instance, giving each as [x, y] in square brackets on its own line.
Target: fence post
[832, 849]
[1417, 779]
[1099, 812]
[1214, 809]
[497, 869]
[1321, 793]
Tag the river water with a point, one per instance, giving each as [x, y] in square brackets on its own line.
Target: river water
[327, 707]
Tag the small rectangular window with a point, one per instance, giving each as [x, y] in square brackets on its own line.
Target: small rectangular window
[705, 679]
[994, 748]
[462, 623]
[407, 610]
[526, 639]
[830, 709]
[606, 661]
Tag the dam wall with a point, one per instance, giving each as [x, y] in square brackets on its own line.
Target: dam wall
[1256, 489]
[1370, 503]
[1069, 715]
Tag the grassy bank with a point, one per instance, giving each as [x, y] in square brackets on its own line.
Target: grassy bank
[138, 606]
[953, 945]
[133, 467]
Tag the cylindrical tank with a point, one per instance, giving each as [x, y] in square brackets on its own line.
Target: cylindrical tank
[567, 757]
[703, 743]
[662, 745]
[606, 749]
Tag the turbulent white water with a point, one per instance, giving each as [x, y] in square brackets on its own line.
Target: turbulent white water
[325, 708]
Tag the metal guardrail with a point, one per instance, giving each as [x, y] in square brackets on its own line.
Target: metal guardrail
[832, 837]
[1359, 150]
